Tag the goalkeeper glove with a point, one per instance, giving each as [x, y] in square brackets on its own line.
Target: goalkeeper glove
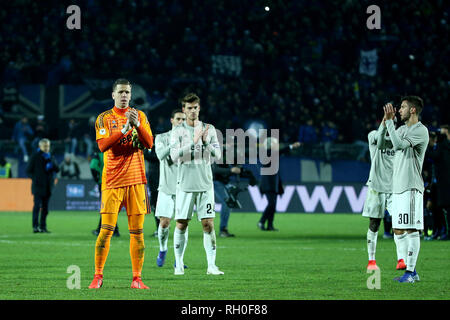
[136, 142]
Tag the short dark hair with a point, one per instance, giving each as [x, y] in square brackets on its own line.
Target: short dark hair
[120, 81]
[414, 101]
[190, 98]
[175, 112]
[445, 126]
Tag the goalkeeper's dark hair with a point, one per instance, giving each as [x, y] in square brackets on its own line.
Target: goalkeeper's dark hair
[414, 101]
[120, 81]
[190, 98]
[175, 112]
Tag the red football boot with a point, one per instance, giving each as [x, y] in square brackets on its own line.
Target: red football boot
[138, 284]
[372, 265]
[97, 282]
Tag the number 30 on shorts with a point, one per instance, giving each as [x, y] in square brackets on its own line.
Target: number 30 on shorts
[403, 218]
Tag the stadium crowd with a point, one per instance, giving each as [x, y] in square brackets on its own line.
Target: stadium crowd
[299, 61]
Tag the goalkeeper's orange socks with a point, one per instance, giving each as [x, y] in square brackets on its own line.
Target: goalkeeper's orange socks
[137, 249]
[108, 225]
[102, 247]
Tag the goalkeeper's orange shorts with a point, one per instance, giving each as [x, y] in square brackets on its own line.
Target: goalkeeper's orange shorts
[134, 198]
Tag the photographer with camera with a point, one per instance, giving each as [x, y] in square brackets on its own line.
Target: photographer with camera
[228, 184]
[439, 152]
[223, 174]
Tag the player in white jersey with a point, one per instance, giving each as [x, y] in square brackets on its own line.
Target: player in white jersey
[379, 188]
[193, 144]
[165, 205]
[410, 142]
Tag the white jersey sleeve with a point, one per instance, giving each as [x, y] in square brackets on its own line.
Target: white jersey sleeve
[181, 144]
[167, 168]
[162, 145]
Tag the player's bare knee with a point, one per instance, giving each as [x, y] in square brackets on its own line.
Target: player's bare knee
[182, 224]
[164, 222]
[208, 225]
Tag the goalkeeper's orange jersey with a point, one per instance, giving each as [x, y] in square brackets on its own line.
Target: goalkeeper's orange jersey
[123, 164]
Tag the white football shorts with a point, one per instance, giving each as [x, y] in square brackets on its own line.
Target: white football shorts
[376, 203]
[407, 210]
[203, 201]
[165, 205]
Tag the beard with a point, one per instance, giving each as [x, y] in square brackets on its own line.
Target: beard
[406, 117]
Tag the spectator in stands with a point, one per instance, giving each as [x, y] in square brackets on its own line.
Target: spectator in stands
[89, 137]
[307, 134]
[1, 124]
[69, 168]
[429, 195]
[40, 131]
[5, 168]
[439, 152]
[22, 132]
[271, 56]
[359, 136]
[71, 140]
[329, 135]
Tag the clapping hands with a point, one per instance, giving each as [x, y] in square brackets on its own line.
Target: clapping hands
[389, 112]
[203, 134]
[133, 117]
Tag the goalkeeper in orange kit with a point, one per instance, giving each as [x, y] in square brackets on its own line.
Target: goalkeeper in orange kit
[123, 178]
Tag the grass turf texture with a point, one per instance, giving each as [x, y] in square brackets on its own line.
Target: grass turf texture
[313, 256]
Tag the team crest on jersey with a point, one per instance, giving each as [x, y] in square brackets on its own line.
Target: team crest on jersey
[102, 131]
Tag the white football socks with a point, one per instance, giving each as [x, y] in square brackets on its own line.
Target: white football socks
[209, 242]
[186, 236]
[179, 241]
[401, 244]
[413, 250]
[371, 243]
[163, 237]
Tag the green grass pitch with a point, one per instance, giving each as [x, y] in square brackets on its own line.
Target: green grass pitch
[313, 256]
